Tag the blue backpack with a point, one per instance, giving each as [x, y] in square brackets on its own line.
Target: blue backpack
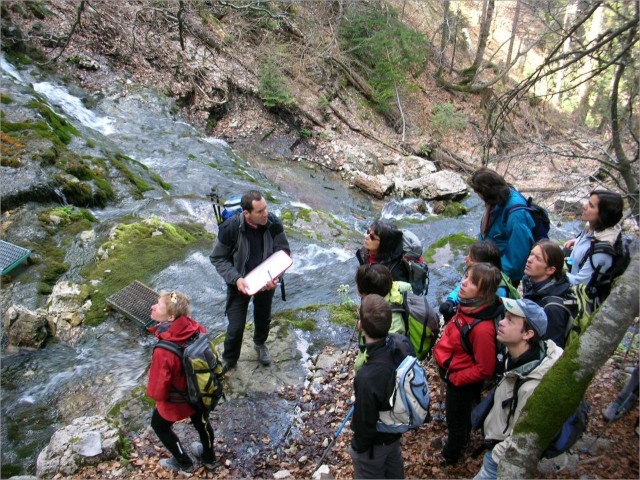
[409, 401]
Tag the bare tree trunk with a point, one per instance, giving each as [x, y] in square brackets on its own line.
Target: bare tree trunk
[485, 28]
[569, 15]
[624, 165]
[585, 89]
[446, 36]
[514, 25]
[562, 388]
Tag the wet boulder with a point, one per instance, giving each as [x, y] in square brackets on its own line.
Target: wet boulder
[24, 327]
[87, 441]
[66, 309]
[442, 185]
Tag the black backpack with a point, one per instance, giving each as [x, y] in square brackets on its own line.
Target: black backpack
[465, 330]
[599, 286]
[540, 217]
[414, 263]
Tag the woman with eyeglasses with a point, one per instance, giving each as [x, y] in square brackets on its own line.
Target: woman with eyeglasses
[167, 382]
[383, 245]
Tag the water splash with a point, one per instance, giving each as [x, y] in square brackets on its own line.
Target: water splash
[10, 69]
[73, 107]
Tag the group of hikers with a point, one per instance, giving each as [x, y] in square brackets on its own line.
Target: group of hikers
[523, 339]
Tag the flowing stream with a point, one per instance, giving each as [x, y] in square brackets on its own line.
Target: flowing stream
[45, 389]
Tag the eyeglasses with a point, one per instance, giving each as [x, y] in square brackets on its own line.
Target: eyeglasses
[372, 236]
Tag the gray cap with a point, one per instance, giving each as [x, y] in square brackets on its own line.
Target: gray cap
[533, 312]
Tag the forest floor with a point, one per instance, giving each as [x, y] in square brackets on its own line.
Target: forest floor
[606, 450]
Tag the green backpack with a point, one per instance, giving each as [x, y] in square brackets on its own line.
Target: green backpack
[511, 290]
[203, 370]
[580, 308]
[421, 323]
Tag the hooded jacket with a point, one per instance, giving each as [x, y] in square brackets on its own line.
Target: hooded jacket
[513, 237]
[166, 374]
[577, 274]
[231, 252]
[498, 425]
[557, 316]
[394, 262]
[460, 367]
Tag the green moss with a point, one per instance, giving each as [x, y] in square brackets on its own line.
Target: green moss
[38, 9]
[287, 218]
[302, 318]
[5, 99]
[343, 314]
[63, 129]
[156, 178]
[456, 241]
[454, 209]
[562, 385]
[136, 251]
[118, 160]
[304, 214]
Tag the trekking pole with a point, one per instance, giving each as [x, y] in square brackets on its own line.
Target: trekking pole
[609, 422]
[633, 337]
[335, 437]
[215, 201]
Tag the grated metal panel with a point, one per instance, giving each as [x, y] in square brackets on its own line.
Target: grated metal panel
[11, 256]
[135, 302]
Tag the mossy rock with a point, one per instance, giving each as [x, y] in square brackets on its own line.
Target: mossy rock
[457, 241]
[137, 251]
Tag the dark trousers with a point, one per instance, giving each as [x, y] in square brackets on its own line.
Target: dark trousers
[459, 403]
[384, 462]
[170, 440]
[236, 311]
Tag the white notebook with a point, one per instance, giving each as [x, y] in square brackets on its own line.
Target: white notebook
[272, 267]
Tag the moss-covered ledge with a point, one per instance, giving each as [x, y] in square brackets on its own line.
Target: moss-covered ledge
[137, 251]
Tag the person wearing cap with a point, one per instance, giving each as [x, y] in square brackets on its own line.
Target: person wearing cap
[528, 359]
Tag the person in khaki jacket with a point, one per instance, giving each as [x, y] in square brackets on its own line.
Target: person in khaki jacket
[528, 360]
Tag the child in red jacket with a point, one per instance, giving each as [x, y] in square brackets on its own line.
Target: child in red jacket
[167, 382]
[465, 369]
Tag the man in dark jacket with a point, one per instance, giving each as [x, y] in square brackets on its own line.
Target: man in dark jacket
[244, 242]
[374, 454]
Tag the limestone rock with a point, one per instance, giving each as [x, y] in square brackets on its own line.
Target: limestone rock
[24, 327]
[87, 441]
[442, 185]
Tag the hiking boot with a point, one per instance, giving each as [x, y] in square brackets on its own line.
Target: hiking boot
[615, 410]
[173, 465]
[197, 449]
[263, 354]
[226, 366]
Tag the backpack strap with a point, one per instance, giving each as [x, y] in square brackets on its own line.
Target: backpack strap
[597, 246]
[174, 396]
[465, 330]
[563, 303]
[519, 206]
[512, 402]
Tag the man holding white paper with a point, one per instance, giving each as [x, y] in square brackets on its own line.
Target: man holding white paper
[245, 240]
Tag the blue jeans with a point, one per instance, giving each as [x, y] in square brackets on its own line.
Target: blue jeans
[489, 470]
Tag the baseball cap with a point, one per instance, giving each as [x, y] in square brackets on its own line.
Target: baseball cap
[533, 312]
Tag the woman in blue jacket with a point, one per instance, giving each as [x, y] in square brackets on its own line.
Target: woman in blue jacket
[512, 233]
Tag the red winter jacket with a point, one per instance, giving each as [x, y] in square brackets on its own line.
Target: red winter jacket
[165, 374]
[450, 355]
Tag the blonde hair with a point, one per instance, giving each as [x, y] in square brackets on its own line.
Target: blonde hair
[178, 303]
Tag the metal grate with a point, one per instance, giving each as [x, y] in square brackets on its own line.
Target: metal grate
[11, 256]
[135, 302]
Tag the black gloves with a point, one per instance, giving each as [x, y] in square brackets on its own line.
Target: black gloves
[448, 310]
